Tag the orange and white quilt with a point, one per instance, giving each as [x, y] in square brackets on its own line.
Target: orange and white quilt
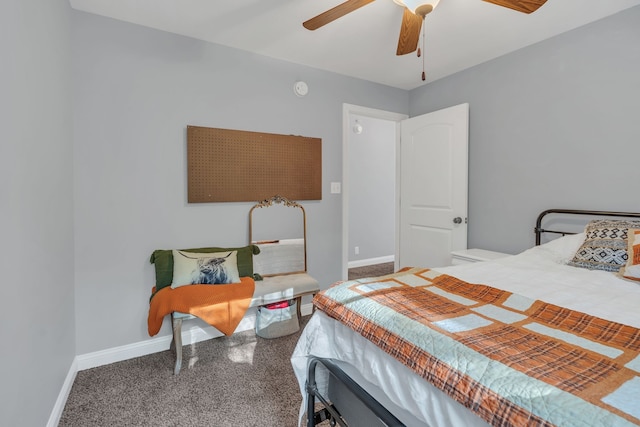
[513, 360]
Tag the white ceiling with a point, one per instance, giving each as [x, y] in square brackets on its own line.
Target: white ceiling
[459, 33]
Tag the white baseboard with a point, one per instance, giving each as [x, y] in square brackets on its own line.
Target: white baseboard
[190, 335]
[58, 408]
[371, 261]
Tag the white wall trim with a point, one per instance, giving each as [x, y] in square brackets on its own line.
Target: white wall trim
[124, 352]
[58, 408]
[371, 261]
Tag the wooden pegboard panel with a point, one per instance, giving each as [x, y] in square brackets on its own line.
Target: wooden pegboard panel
[225, 165]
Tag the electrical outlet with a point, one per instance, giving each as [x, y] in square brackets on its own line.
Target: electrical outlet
[356, 250]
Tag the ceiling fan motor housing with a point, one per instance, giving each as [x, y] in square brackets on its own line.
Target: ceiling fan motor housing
[423, 9]
[418, 7]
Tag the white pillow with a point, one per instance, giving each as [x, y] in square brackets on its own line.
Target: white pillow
[215, 268]
[564, 248]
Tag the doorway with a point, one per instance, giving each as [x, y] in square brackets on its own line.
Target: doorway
[431, 221]
[370, 142]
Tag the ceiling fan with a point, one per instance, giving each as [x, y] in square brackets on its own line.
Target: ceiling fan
[414, 13]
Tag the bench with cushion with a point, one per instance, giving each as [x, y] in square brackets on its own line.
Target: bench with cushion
[270, 289]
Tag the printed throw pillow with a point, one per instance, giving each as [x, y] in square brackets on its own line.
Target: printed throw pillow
[605, 245]
[191, 268]
[163, 261]
[632, 269]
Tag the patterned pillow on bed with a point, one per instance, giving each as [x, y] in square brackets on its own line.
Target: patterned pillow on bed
[632, 269]
[605, 245]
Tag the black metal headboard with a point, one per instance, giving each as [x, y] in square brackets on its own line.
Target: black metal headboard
[539, 230]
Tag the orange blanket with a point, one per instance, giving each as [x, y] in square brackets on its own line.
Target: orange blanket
[221, 306]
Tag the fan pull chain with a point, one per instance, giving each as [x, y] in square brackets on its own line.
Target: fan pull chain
[424, 76]
[419, 51]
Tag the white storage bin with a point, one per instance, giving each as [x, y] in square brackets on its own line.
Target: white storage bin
[277, 320]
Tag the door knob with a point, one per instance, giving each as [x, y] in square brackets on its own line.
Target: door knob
[457, 220]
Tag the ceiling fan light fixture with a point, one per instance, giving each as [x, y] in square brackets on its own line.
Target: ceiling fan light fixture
[419, 7]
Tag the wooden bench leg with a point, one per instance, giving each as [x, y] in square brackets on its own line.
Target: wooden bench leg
[176, 343]
[298, 304]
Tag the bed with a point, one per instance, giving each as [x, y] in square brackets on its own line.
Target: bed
[550, 336]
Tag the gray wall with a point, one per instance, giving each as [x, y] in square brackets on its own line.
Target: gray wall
[372, 188]
[554, 125]
[135, 91]
[36, 214]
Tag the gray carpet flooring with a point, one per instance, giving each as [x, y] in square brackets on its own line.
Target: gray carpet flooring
[371, 270]
[242, 380]
[237, 381]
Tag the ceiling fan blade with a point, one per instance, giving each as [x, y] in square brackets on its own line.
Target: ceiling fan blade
[524, 6]
[334, 13]
[409, 32]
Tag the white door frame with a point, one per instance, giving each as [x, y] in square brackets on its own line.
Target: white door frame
[347, 111]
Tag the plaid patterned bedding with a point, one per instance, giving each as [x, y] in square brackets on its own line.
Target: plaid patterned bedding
[512, 360]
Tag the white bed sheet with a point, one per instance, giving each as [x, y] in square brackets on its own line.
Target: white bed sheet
[538, 273]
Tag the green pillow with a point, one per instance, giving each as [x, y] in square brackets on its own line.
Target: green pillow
[163, 259]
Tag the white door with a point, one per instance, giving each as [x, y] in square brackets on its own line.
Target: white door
[433, 187]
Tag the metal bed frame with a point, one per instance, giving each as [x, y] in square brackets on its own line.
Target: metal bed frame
[538, 230]
[363, 410]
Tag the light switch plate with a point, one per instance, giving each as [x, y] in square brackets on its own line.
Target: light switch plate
[335, 188]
